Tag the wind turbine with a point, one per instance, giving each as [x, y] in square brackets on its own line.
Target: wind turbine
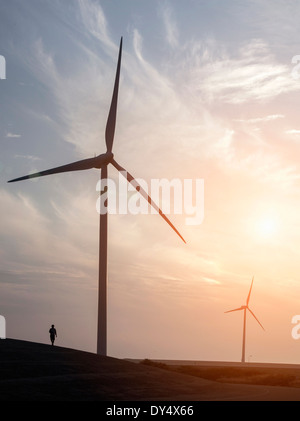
[101, 162]
[245, 308]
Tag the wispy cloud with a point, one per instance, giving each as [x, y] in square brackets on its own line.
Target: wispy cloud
[211, 281]
[18, 255]
[268, 118]
[30, 157]
[12, 135]
[170, 24]
[293, 132]
[80, 108]
[252, 74]
[94, 21]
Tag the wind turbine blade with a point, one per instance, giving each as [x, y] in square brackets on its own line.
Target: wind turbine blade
[111, 121]
[138, 188]
[248, 298]
[255, 318]
[235, 309]
[84, 164]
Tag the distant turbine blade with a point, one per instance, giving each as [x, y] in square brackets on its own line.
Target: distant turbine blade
[137, 186]
[255, 318]
[236, 309]
[248, 298]
[84, 164]
[111, 121]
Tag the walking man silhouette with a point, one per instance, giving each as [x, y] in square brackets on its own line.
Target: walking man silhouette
[53, 334]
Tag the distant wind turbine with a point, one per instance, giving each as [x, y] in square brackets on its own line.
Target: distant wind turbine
[245, 308]
[101, 162]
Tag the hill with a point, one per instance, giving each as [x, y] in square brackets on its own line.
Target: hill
[39, 372]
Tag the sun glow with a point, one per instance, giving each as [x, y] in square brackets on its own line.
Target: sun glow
[267, 227]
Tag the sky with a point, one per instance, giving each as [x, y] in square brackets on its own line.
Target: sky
[208, 92]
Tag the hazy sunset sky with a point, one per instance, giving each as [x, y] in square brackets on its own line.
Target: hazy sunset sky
[208, 91]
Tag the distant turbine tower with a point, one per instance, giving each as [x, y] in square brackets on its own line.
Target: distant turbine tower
[101, 162]
[245, 308]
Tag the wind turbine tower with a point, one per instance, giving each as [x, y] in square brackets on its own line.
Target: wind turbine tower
[245, 308]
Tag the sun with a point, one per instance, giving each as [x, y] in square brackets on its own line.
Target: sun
[267, 227]
[265, 224]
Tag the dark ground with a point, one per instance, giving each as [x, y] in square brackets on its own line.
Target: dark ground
[38, 372]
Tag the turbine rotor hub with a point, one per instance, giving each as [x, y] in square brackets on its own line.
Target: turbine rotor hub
[103, 159]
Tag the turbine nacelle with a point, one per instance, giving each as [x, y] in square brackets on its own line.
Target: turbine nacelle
[103, 159]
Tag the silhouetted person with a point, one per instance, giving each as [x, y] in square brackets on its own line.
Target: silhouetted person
[53, 334]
